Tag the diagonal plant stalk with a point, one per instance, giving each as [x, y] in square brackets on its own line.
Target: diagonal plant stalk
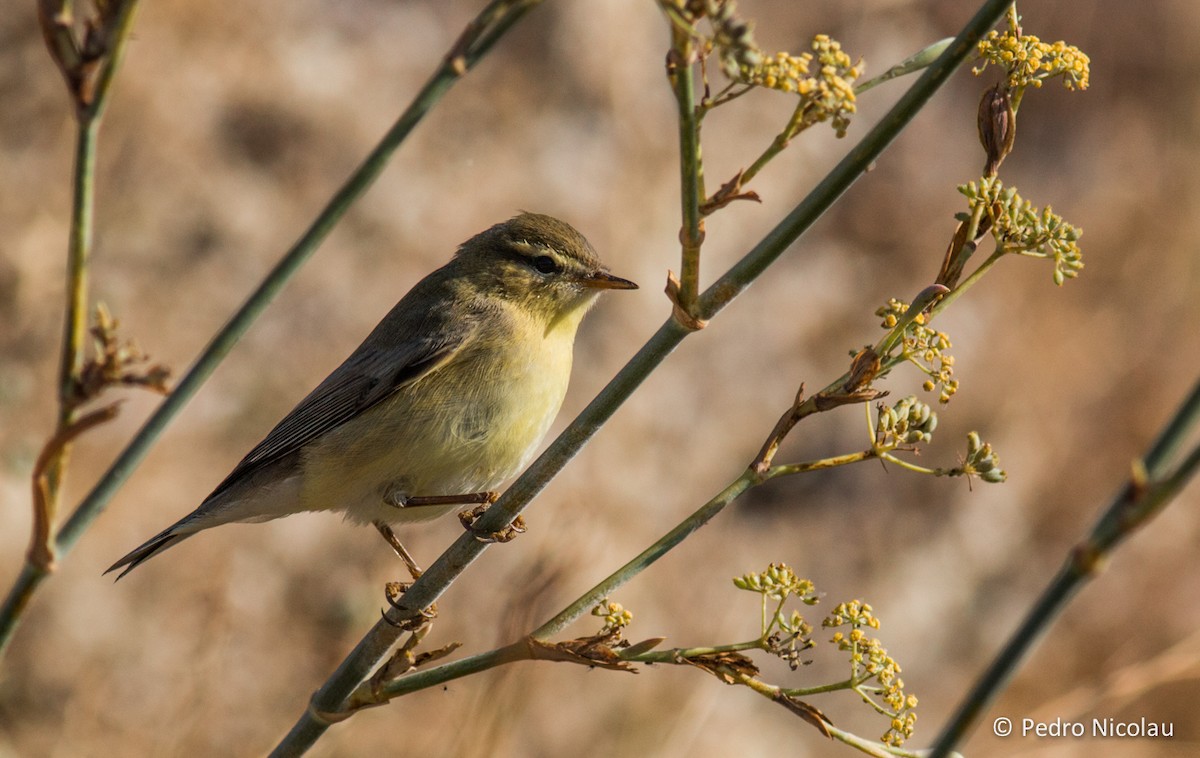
[475, 41]
[536, 645]
[758, 472]
[1155, 481]
[374, 646]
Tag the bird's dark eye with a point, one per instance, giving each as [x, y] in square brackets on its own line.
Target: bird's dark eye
[545, 264]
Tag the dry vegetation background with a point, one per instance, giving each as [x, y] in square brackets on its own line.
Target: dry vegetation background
[230, 126]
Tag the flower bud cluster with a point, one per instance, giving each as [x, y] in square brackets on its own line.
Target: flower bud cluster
[1029, 61]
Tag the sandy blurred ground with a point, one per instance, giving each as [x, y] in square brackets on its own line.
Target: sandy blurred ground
[231, 126]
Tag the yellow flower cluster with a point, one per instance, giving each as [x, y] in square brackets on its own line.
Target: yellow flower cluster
[1029, 61]
[827, 94]
[614, 614]
[855, 613]
[925, 348]
[869, 661]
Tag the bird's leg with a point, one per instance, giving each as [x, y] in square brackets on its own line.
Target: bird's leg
[417, 501]
[390, 537]
[393, 591]
[395, 496]
[397, 499]
[507, 534]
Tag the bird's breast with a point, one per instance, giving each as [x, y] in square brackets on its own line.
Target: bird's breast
[465, 427]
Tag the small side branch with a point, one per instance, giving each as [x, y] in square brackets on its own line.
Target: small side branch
[41, 546]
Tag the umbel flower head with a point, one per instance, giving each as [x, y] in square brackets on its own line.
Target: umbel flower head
[826, 94]
[1029, 61]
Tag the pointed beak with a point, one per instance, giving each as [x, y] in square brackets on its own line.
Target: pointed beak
[602, 280]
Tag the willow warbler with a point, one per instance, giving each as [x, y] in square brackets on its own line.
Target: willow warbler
[448, 397]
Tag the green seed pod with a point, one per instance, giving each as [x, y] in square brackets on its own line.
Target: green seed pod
[973, 443]
[923, 412]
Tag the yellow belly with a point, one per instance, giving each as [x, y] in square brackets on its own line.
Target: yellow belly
[463, 428]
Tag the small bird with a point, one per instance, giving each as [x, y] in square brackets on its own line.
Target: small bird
[447, 397]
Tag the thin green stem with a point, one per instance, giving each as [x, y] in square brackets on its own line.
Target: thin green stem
[845, 684]
[866, 694]
[1174, 435]
[435, 675]
[691, 166]
[78, 252]
[647, 557]
[969, 282]
[777, 146]
[779, 695]
[787, 469]
[1014, 18]
[17, 600]
[906, 465]
[870, 747]
[126, 11]
[1146, 497]
[1036, 623]
[796, 123]
[44, 551]
[75, 310]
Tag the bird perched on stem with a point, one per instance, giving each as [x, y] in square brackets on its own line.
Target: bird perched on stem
[446, 398]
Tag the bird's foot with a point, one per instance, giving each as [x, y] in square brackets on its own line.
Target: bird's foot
[393, 592]
[507, 534]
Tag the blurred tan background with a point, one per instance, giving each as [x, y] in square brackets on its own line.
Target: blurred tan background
[230, 127]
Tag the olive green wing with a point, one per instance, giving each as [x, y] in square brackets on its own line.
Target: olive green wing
[372, 374]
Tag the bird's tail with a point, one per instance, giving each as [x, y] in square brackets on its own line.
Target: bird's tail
[151, 547]
[254, 500]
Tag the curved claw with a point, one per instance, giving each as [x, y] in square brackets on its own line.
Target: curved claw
[416, 622]
[507, 534]
[392, 593]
